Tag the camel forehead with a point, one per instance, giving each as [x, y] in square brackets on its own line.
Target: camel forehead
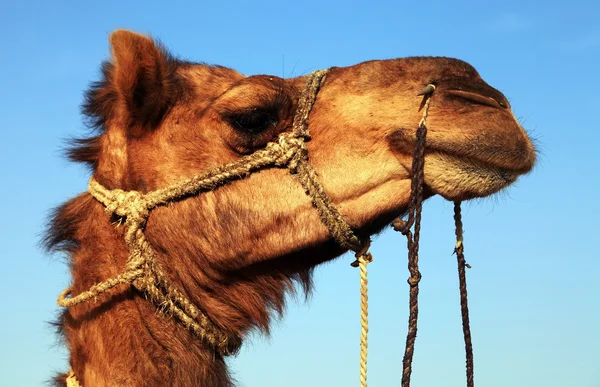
[440, 64]
[419, 64]
[209, 81]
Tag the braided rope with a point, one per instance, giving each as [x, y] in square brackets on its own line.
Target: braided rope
[414, 218]
[363, 260]
[464, 303]
[412, 238]
[142, 270]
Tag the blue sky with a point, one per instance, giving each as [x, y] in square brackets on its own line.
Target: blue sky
[534, 285]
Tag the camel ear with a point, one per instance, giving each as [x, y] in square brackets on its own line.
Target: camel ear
[144, 79]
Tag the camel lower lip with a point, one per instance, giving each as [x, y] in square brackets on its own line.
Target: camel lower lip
[462, 179]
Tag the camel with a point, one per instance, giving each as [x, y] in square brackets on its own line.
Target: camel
[235, 250]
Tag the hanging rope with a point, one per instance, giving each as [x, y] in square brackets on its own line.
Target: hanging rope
[364, 320]
[363, 258]
[414, 218]
[464, 303]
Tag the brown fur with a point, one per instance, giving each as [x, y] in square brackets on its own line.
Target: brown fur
[237, 250]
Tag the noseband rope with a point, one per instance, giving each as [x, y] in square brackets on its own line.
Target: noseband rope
[144, 273]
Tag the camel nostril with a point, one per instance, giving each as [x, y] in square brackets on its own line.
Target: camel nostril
[477, 98]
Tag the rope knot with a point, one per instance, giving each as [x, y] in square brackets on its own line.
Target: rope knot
[401, 225]
[287, 150]
[129, 203]
[458, 249]
[363, 253]
[414, 279]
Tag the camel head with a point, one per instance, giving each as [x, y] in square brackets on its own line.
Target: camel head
[164, 120]
[235, 250]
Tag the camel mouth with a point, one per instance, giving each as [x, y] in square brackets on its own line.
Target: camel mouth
[460, 178]
[506, 154]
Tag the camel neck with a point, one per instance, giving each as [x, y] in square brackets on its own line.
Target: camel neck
[130, 346]
[121, 339]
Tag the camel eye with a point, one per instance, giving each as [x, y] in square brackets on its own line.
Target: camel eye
[255, 121]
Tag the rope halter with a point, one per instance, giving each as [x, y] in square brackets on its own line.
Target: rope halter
[144, 272]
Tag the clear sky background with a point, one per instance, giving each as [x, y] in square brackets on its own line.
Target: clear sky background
[534, 286]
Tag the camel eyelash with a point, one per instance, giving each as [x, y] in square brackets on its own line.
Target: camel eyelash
[272, 104]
